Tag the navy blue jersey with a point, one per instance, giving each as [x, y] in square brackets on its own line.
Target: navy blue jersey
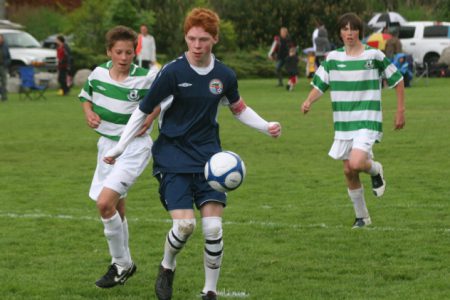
[189, 132]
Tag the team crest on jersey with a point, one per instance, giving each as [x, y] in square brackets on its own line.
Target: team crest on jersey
[369, 64]
[133, 95]
[215, 86]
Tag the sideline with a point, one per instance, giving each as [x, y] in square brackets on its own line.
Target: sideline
[12, 215]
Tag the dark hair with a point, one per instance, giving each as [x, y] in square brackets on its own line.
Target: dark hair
[61, 38]
[354, 21]
[120, 33]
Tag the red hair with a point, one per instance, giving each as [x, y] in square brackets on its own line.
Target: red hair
[204, 18]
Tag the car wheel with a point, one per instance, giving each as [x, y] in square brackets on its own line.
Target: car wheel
[431, 59]
[14, 69]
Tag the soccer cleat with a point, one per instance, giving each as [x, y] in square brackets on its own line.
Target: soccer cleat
[378, 183]
[115, 275]
[361, 222]
[210, 295]
[164, 282]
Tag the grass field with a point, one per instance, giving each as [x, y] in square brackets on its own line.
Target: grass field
[287, 230]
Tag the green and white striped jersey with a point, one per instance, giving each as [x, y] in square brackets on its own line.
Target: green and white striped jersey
[115, 101]
[355, 84]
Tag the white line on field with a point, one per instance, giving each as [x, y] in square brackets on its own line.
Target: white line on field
[231, 223]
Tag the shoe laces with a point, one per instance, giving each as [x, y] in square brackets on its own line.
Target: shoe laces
[112, 271]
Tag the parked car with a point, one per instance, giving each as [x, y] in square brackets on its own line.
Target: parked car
[425, 40]
[26, 51]
[50, 41]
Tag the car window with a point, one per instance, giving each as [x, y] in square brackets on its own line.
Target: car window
[406, 32]
[21, 40]
[436, 31]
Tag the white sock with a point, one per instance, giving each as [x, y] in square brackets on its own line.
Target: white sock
[126, 238]
[213, 252]
[176, 239]
[374, 168]
[114, 235]
[359, 204]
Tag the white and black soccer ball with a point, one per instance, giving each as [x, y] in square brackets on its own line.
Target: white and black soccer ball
[225, 171]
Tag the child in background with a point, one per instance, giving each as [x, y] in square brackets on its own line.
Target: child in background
[404, 67]
[292, 68]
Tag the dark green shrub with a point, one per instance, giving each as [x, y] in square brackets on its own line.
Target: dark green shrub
[41, 21]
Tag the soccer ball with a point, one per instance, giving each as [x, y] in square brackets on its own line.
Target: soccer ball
[225, 171]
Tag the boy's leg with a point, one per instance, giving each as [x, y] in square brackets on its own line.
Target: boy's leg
[213, 252]
[176, 238]
[360, 159]
[121, 267]
[356, 194]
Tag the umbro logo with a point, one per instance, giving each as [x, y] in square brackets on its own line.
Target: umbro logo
[185, 84]
[341, 65]
[124, 184]
[102, 88]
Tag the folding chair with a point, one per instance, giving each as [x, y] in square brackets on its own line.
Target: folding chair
[28, 86]
[421, 71]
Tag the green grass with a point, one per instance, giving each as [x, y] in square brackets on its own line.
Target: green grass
[286, 230]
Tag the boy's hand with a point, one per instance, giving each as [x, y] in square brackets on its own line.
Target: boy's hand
[306, 107]
[399, 120]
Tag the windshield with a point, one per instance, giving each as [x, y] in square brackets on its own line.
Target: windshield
[21, 40]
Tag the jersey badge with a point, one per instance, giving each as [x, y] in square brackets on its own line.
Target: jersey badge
[185, 84]
[369, 64]
[216, 86]
[133, 95]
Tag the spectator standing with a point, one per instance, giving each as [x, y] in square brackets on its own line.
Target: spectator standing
[64, 64]
[279, 51]
[292, 68]
[5, 60]
[322, 45]
[146, 48]
[393, 46]
[319, 28]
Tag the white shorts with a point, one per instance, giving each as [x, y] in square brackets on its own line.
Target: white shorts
[341, 149]
[121, 175]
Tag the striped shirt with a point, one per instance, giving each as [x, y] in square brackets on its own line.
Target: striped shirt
[115, 101]
[355, 84]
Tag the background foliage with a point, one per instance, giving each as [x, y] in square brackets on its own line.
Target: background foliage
[246, 24]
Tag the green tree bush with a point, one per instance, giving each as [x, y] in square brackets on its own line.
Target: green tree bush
[41, 21]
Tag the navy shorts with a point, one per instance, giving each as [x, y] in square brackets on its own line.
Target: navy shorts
[183, 190]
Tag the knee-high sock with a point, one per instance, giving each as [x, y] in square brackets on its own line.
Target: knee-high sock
[213, 252]
[359, 204]
[126, 238]
[374, 168]
[114, 235]
[176, 239]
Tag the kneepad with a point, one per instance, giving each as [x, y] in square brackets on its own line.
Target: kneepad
[212, 231]
[184, 227]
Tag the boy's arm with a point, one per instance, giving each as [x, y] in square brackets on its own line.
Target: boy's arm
[149, 121]
[129, 133]
[400, 114]
[92, 119]
[313, 96]
[250, 118]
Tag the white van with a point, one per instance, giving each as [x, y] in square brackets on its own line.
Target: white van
[425, 40]
[25, 50]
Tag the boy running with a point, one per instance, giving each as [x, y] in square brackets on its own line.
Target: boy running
[354, 75]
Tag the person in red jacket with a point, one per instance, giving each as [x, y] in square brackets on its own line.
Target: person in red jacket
[64, 58]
